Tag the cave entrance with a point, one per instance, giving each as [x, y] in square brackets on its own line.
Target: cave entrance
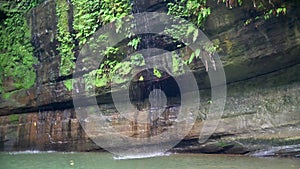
[154, 91]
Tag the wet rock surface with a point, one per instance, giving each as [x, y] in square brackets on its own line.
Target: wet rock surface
[261, 116]
[248, 126]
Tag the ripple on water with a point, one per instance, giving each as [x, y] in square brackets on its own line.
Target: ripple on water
[140, 156]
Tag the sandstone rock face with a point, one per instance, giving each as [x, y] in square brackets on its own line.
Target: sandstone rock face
[47, 130]
[262, 111]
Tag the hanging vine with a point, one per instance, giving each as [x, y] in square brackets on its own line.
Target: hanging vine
[196, 11]
[265, 9]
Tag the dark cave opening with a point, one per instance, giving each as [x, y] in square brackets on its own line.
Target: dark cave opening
[139, 91]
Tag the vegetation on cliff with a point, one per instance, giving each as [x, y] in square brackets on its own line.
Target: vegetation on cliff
[79, 19]
[16, 50]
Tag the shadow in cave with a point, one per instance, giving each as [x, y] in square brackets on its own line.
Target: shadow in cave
[139, 91]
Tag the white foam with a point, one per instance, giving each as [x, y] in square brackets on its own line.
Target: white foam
[37, 152]
[140, 156]
[273, 150]
[30, 152]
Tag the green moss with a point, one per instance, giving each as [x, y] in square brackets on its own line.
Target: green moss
[13, 118]
[223, 144]
[6, 95]
[271, 141]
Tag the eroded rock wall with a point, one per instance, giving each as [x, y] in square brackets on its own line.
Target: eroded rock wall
[261, 62]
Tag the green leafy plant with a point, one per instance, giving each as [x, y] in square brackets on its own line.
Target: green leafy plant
[265, 8]
[195, 54]
[274, 12]
[134, 42]
[112, 10]
[111, 52]
[69, 84]
[86, 22]
[157, 73]
[64, 37]
[193, 10]
[137, 60]
[16, 50]
[121, 72]
[89, 15]
[196, 12]
[177, 64]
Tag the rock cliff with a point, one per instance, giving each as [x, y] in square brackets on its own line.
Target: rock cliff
[262, 66]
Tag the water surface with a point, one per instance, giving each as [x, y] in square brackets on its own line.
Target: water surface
[58, 160]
